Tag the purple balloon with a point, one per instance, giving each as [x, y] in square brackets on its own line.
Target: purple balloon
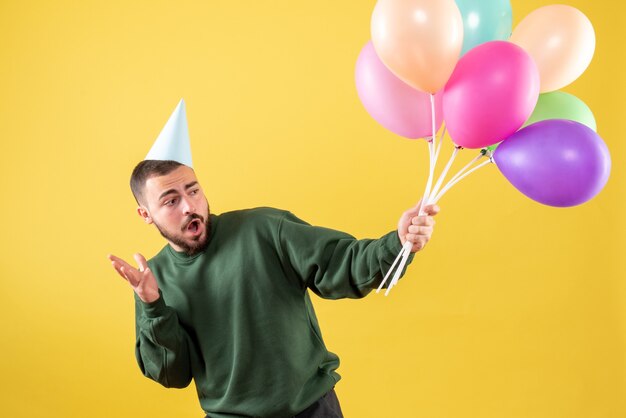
[391, 102]
[556, 162]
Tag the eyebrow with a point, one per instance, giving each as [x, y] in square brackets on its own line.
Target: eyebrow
[187, 186]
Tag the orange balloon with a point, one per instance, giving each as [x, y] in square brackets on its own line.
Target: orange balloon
[561, 40]
[418, 40]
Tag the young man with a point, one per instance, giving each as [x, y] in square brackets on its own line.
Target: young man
[226, 301]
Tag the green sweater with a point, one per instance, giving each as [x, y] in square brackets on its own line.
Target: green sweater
[237, 318]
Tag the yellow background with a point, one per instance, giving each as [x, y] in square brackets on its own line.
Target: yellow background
[514, 309]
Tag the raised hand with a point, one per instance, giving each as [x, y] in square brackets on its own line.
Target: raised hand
[141, 280]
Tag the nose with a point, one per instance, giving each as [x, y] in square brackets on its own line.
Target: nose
[188, 206]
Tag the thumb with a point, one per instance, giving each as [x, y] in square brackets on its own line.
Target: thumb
[141, 261]
[415, 210]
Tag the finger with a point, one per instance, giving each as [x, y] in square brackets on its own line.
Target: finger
[423, 220]
[432, 210]
[414, 210]
[120, 261]
[117, 268]
[141, 261]
[417, 206]
[420, 230]
[130, 276]
[419, 245]
[418, 241]
[413, 238]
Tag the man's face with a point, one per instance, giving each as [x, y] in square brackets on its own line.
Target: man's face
[178, 208]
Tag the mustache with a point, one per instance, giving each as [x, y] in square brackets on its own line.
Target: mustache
[190, 219]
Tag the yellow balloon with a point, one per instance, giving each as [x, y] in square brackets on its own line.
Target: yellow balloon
[561, 40]
[418, 40]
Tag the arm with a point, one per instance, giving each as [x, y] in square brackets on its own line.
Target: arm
[335, 265]
[161, 347]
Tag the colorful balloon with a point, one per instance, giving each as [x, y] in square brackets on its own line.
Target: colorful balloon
[556, 162]
[484, 21]
[390, 101]
[493, 90]
[561, 105]
[418, 40]
[560, 39]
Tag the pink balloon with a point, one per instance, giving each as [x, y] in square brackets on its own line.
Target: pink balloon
[391, 102]
[491, 93]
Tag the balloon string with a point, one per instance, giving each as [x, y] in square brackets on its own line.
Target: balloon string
[433, 162]
[433, 153]
[455, 181]
[406, 248]
[443, 174]
[459, 173]
[390, 270]
[438, 149]
[406, 252]
[464, 169]
[431, 170]
[432, 119]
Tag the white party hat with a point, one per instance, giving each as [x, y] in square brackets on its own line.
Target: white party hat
[173, 141]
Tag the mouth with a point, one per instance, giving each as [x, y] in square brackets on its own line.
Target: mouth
[194, 227]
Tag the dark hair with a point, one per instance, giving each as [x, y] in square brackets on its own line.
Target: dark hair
[146, 169]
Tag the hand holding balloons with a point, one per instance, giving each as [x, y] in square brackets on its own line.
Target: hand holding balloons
[491, 92]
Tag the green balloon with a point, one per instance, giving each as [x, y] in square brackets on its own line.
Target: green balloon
[560, 105]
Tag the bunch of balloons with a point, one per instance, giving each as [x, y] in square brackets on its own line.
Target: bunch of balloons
[460, 64]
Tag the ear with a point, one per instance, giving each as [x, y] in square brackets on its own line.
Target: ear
[143, 212]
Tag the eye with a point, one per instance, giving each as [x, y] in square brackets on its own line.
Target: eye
[194, 192]
[170, 202]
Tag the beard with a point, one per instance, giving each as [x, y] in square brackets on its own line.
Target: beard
[194, 245]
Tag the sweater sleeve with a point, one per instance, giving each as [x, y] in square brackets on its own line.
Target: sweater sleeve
[334, 264]
[161, 346]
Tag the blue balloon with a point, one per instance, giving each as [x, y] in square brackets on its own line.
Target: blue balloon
[484, 21]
